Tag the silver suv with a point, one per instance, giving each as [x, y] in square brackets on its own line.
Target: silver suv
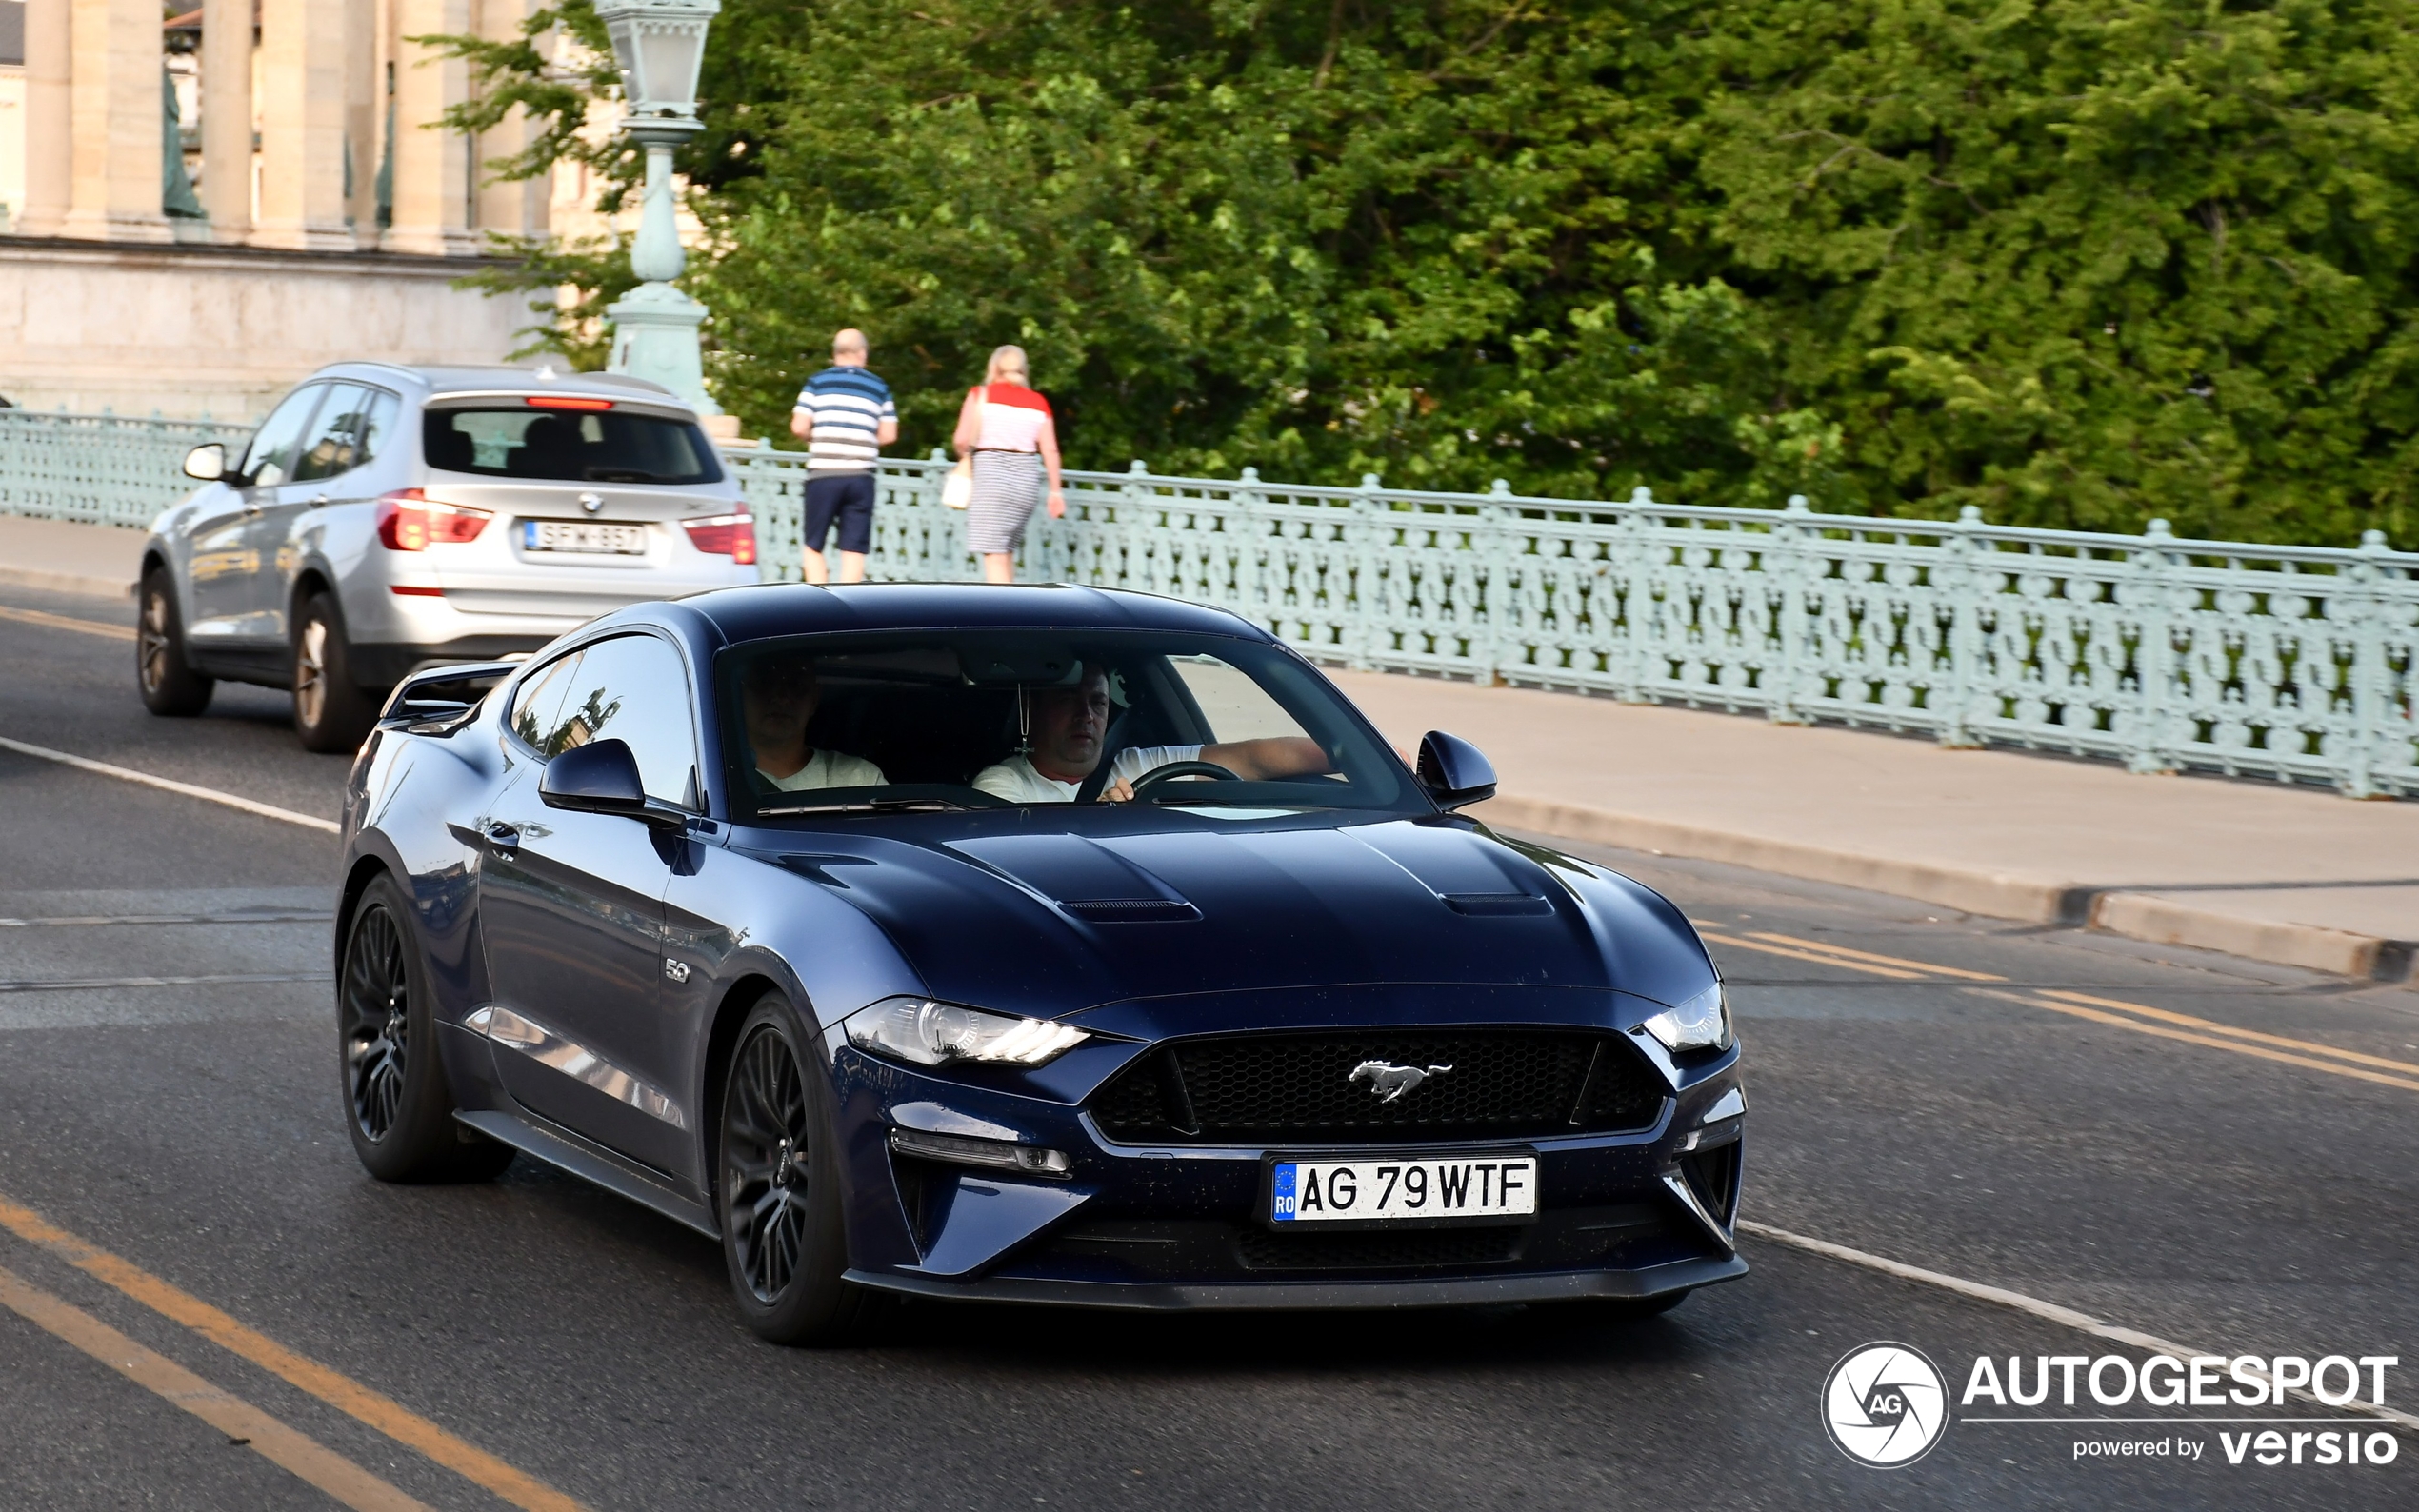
[384, 519]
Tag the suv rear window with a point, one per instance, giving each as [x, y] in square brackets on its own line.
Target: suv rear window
[607, 446]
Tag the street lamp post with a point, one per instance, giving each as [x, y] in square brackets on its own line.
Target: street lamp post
[659, 45]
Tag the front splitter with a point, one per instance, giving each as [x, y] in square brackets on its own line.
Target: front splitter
[1284, 1296]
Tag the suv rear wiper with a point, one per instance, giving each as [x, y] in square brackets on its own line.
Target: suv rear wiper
[621, 475]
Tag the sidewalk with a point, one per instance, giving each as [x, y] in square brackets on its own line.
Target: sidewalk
[2294, 876]
[67, 558]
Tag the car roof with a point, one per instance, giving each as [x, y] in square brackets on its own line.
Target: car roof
[798, 608]
[435, 382]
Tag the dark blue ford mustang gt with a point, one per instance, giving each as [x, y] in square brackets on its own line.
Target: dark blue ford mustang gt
[1032, 944]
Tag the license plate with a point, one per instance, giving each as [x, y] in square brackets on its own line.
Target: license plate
[1408, 1190]
[583, 535]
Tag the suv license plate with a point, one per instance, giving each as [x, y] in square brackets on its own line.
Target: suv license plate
[1412, 1191]
[583, 536]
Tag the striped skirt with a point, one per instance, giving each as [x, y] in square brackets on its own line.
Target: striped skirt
[1008, 485]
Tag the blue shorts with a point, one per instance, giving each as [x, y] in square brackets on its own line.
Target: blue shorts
[847, 496]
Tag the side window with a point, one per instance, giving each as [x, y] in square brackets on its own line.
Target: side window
[537, 707]
[270, 458]
[633, 688]
[1232, 700]
[332, 445]
[377, 422]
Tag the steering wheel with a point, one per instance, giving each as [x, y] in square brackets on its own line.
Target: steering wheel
[1175, 770]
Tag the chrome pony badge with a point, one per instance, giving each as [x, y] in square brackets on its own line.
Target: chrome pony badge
[1389, 1081]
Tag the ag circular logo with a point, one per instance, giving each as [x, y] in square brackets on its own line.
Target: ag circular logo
[1884, 1405]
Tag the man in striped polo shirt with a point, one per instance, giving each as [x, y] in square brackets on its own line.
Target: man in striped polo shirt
[845, 416]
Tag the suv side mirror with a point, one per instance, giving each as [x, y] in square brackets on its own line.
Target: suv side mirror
[599, 778]
[206, 461]
[1454, 771]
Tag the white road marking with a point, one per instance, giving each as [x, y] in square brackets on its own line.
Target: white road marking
[210, 795]
[86, 982]
[2048, 1311]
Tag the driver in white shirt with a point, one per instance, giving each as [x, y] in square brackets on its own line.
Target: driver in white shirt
[1067, 724]
[778, 697]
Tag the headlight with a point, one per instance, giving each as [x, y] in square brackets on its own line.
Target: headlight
[1702, 1022]
[929, 1033]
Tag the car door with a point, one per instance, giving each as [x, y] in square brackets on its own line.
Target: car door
[332, 450]
[570, 905]
[228, 563]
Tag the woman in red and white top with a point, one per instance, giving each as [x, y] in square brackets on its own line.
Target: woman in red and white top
[1008, 430]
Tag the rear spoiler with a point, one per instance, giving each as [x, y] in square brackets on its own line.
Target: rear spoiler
[440, 700]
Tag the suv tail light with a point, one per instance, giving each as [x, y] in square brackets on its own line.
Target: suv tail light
[410, 521]
[730, 535]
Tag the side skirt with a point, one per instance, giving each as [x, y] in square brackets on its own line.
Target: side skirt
[568, 1152]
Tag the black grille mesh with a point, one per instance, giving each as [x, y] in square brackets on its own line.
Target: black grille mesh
[1292, 1088]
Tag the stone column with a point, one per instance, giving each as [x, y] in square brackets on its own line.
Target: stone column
[114, 133]
[433, 161]
[302, 131]
[362, 126]
[226, 117]
[49, 115]
[517, 206]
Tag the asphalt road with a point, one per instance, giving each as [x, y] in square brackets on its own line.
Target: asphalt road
[2127, 1150]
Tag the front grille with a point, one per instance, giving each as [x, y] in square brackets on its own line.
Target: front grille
[1299, 1088]
[1378, 1250]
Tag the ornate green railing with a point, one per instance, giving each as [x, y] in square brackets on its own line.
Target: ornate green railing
[2299, 663]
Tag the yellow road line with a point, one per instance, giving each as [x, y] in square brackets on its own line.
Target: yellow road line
[1868, 957]
[338, 1390]
[299, 1456]
[1744, 943]
[2213, 1042]
[2210, 1026]
[65, 622]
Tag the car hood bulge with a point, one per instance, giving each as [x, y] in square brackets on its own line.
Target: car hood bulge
[1048, 924]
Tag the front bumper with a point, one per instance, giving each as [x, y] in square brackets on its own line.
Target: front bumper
[1621, 1215]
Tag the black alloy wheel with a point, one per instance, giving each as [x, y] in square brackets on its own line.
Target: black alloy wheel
[378, 1024]
[332, 712]
[780, 1191]
[397, 1109]
[168, 685]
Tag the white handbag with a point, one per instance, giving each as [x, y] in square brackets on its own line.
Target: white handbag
[957, 489]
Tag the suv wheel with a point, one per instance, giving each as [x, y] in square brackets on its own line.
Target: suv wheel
[170, 687]
[331, 713]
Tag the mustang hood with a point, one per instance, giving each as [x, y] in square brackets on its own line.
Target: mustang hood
[1056, 923]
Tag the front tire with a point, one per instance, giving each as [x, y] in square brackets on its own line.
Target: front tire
[779, 1182]
[397, 1107]
[169, 683]
[331, 713]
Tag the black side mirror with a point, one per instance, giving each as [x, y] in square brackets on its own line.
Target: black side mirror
[598, 778]
[1454, 771]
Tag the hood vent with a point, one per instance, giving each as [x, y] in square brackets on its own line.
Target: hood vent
[1490, 904]
[1132, 910]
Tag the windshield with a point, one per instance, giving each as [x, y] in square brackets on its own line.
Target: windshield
[600, 446]
[973, 718]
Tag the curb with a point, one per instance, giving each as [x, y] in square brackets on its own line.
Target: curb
[67, 582]
[2134, 915]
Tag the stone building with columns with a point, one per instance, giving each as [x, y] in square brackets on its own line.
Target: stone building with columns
[208, 200]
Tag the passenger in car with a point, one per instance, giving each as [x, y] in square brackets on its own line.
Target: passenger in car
[778, 698]
[1069, 723]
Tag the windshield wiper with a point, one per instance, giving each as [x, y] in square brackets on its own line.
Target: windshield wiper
[867, 806]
